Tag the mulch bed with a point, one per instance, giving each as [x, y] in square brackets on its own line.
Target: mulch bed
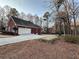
[40, 50]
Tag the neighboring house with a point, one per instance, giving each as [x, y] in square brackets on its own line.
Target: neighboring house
[20, 26]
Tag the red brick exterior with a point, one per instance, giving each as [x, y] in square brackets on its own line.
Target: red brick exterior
[36, 31]
[12, 24]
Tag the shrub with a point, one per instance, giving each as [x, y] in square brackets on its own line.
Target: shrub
[71, 38]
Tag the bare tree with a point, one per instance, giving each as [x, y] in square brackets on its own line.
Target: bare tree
[71, 8]
[74, 7]
[56, 6]
[46, 18]
[13, 12]
[36, 19]
[7, 9]
[23, 16]
[67, 12]
[30, 17]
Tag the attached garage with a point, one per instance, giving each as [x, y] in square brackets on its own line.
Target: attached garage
[24, 31]
[20, 26]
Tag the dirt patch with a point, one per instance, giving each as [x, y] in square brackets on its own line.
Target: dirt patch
[40, 50]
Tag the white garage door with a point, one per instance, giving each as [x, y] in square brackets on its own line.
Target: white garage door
[22, 31]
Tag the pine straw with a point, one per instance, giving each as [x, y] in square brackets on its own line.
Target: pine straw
[40, 50]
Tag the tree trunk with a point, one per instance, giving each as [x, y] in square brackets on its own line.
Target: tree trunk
[64, 30]
[75, 29]
[47, 26]
[68, 20]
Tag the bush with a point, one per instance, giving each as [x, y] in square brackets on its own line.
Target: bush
[71, 38]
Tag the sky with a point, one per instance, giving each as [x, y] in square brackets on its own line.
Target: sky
[35, 7]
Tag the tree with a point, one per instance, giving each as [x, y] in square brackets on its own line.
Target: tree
[23, 16]
[72, 10]
[2, 12]
[36, 20]
[46, 17]
[57, 4]
[7, 9]
[13, 12]
[67, 12]
[74, 7]
[64, 22]
[3, 28]
[30, 17]
[41, 21]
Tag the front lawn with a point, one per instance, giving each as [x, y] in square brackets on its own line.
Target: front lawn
[34, 49]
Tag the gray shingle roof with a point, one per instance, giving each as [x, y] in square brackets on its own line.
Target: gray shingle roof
[22, 22]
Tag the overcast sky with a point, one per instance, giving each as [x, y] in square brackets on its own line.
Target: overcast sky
[37, 7]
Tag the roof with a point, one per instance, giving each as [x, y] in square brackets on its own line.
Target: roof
[21, 22]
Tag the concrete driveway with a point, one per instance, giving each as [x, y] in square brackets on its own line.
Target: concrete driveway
[15, 39]
[5, 36]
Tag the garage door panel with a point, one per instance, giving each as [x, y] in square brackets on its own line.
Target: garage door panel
[24, 31]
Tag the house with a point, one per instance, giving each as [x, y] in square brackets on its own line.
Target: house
[20, 26]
